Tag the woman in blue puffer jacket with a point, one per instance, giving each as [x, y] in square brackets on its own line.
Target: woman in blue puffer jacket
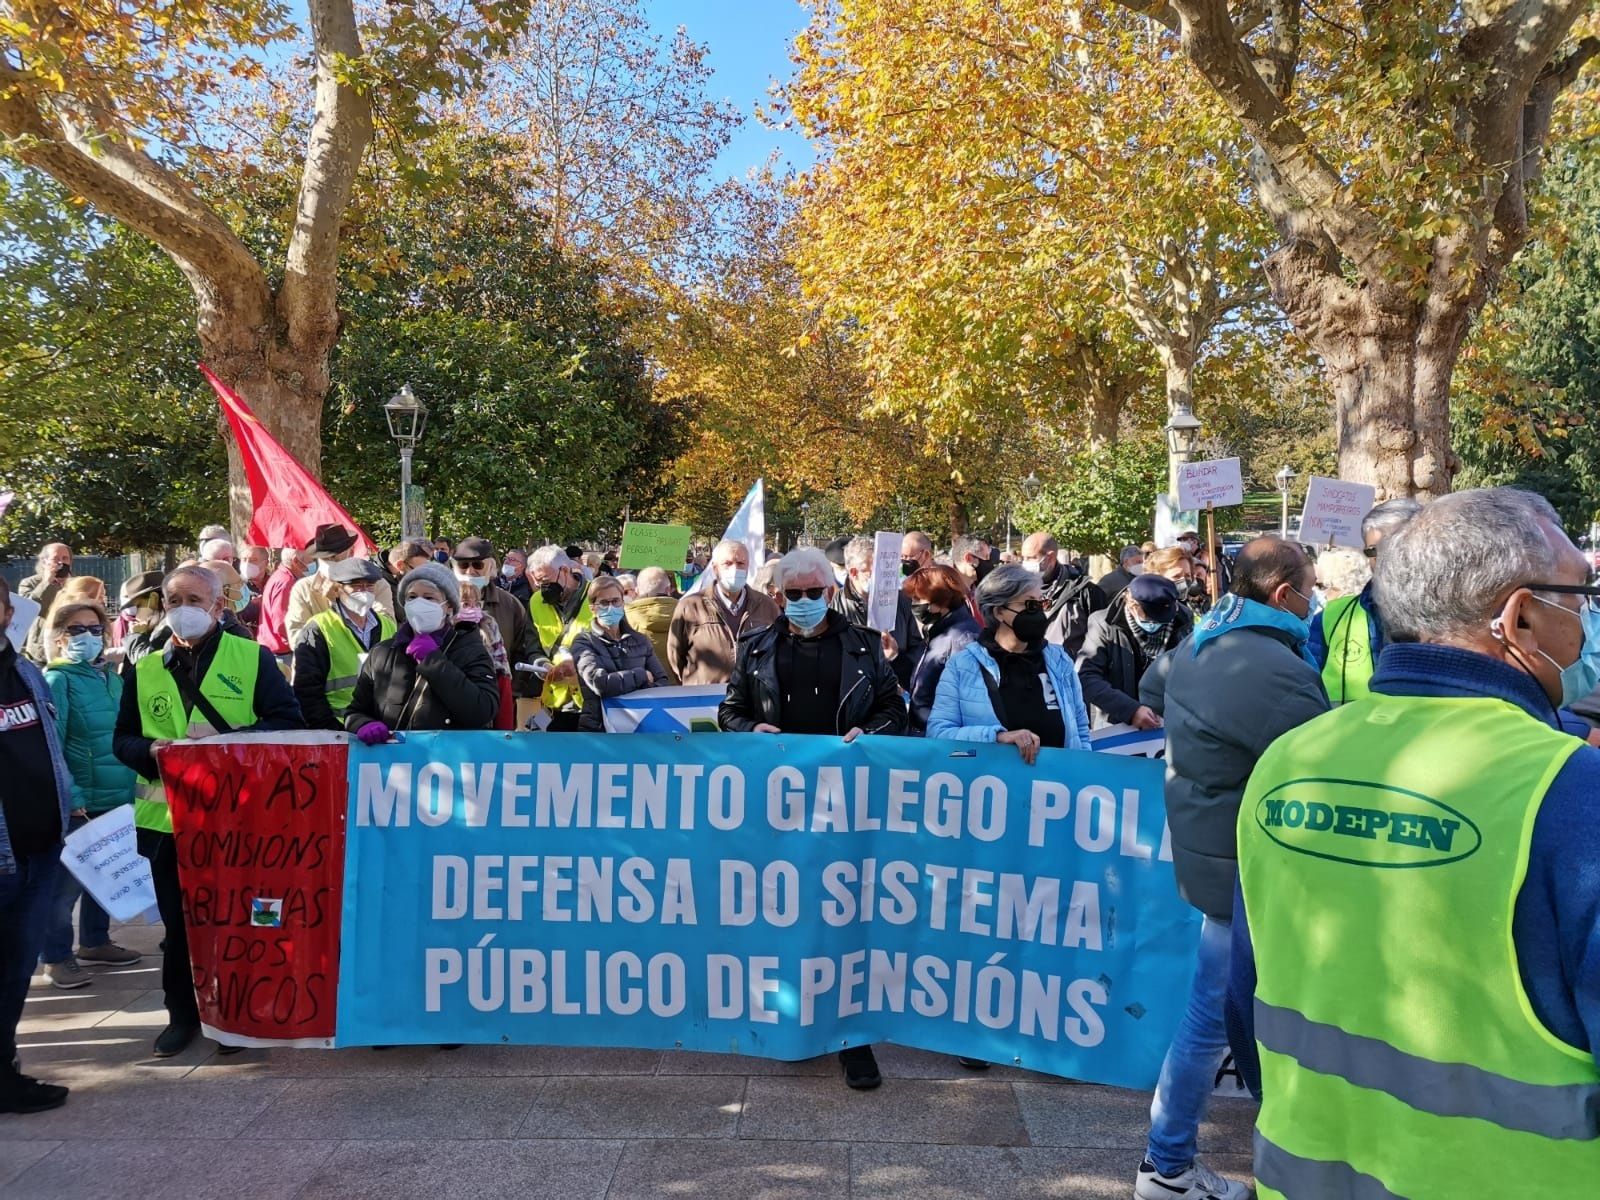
[87, 694]
[1011, 685]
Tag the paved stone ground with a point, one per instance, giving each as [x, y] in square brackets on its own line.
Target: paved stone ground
[568, 1124]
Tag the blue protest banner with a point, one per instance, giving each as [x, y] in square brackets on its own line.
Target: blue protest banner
[771, 895]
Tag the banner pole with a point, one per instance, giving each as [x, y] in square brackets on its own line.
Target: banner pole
[1213, 583]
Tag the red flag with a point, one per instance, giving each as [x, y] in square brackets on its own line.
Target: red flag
[288, 503]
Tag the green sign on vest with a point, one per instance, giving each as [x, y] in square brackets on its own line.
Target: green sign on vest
[1381, 850]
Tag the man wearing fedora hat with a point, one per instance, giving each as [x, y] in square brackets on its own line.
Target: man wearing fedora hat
[139, 614]
[334, 644]
[314, 593]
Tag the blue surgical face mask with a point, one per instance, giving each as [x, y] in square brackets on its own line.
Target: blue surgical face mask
[1581, 678]
[1148, 625]
[806, 613]
[610, 616]
[85, 647]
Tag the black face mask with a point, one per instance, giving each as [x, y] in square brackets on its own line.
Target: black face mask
[923, 612]
[550, 593]
[1029, 625]
[984, 566]
[907, 568]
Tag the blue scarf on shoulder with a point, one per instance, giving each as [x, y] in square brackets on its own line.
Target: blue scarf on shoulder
[1235, 612]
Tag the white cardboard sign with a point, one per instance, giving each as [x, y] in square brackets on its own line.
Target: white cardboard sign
[1216, 482]
[24, 612]
[1334, 510]
[104, 856]
[884, 603]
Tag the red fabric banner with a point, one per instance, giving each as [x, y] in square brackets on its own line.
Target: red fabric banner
[260, 836]
[287, 502]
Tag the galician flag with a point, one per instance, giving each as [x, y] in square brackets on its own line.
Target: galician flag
[287, 503]
[749, 525]
[665, 710]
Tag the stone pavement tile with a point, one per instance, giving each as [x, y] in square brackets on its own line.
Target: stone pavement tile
[659, 1106]
[163, 1169]
[695, 1062]
[1092, 1117]
[395, 1108]
[17, 1157]
[142, 1010]
[48, 1009]
[409, 1062]
[906, 1062]
[140, 1108]
[879, 1172]
[748, 1170]
[77, 1057]
[528, 1170]
[544, 1060]
[902, 1110]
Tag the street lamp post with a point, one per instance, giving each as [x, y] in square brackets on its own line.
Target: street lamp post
[1285, 479]
[1030, 488]
[805, 522]
[406, 416]
[1183, 435]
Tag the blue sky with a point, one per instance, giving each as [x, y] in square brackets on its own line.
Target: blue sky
[748, 42]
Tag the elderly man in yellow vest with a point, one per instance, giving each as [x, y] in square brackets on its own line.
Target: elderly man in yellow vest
[560, 611]
[334, 644]
[1348, 635]
[1417, 953]
[205, 681]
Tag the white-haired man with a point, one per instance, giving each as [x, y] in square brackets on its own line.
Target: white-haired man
[708, 624]
[1434, 1031]
[651, 610]
[814, 672]
[560, 611]
[206, 681]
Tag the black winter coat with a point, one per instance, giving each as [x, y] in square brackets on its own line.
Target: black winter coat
[907, 634]
[869, 693]
[1070, 600]
[453, 688]
[1110, 666]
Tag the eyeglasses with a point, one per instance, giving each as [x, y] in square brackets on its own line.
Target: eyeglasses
[76, 630]
[598, 605]
[1031, 605]
[814, 593]
[475, 563]
[1589, 591]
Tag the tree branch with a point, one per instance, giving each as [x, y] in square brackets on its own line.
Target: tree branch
[130, 186]
[340, 133]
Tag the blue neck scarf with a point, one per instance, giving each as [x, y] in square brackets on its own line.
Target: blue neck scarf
[1235, 612]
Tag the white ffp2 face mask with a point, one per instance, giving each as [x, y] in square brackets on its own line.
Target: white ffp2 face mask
[189, 623]
[359, 603]
[425, 616]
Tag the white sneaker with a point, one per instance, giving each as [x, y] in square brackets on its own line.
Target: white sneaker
[1199, 1182]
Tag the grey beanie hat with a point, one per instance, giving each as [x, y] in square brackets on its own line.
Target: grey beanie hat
[437, 574]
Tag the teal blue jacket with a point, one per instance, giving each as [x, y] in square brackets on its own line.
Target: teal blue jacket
[87, 698]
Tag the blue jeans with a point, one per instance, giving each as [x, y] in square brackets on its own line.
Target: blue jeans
[25, 896]
[1189, 1072]
[94, 923]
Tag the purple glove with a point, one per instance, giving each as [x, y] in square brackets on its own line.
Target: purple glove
[421, 645]
[373, 732]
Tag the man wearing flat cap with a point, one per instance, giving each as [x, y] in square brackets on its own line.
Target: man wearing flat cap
[334, 644]
[477, 572]
[313, 594]
[1142, 622]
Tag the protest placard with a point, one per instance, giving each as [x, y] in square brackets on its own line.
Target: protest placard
[1333, 512]
[884, 604]
[24, 612]
[1216, 483]
[773, 895]
[103, 855]
[653, 546]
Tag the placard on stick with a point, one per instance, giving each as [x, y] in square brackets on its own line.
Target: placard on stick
[653, 546]
[1333, 512]
[885, 601]
[1217, 484]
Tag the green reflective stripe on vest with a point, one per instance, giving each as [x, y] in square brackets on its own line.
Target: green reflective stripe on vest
[230, 686]
[556, 634]
[344, 656]
[1381, 850]
[1347, 674]
[1446, 1089]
